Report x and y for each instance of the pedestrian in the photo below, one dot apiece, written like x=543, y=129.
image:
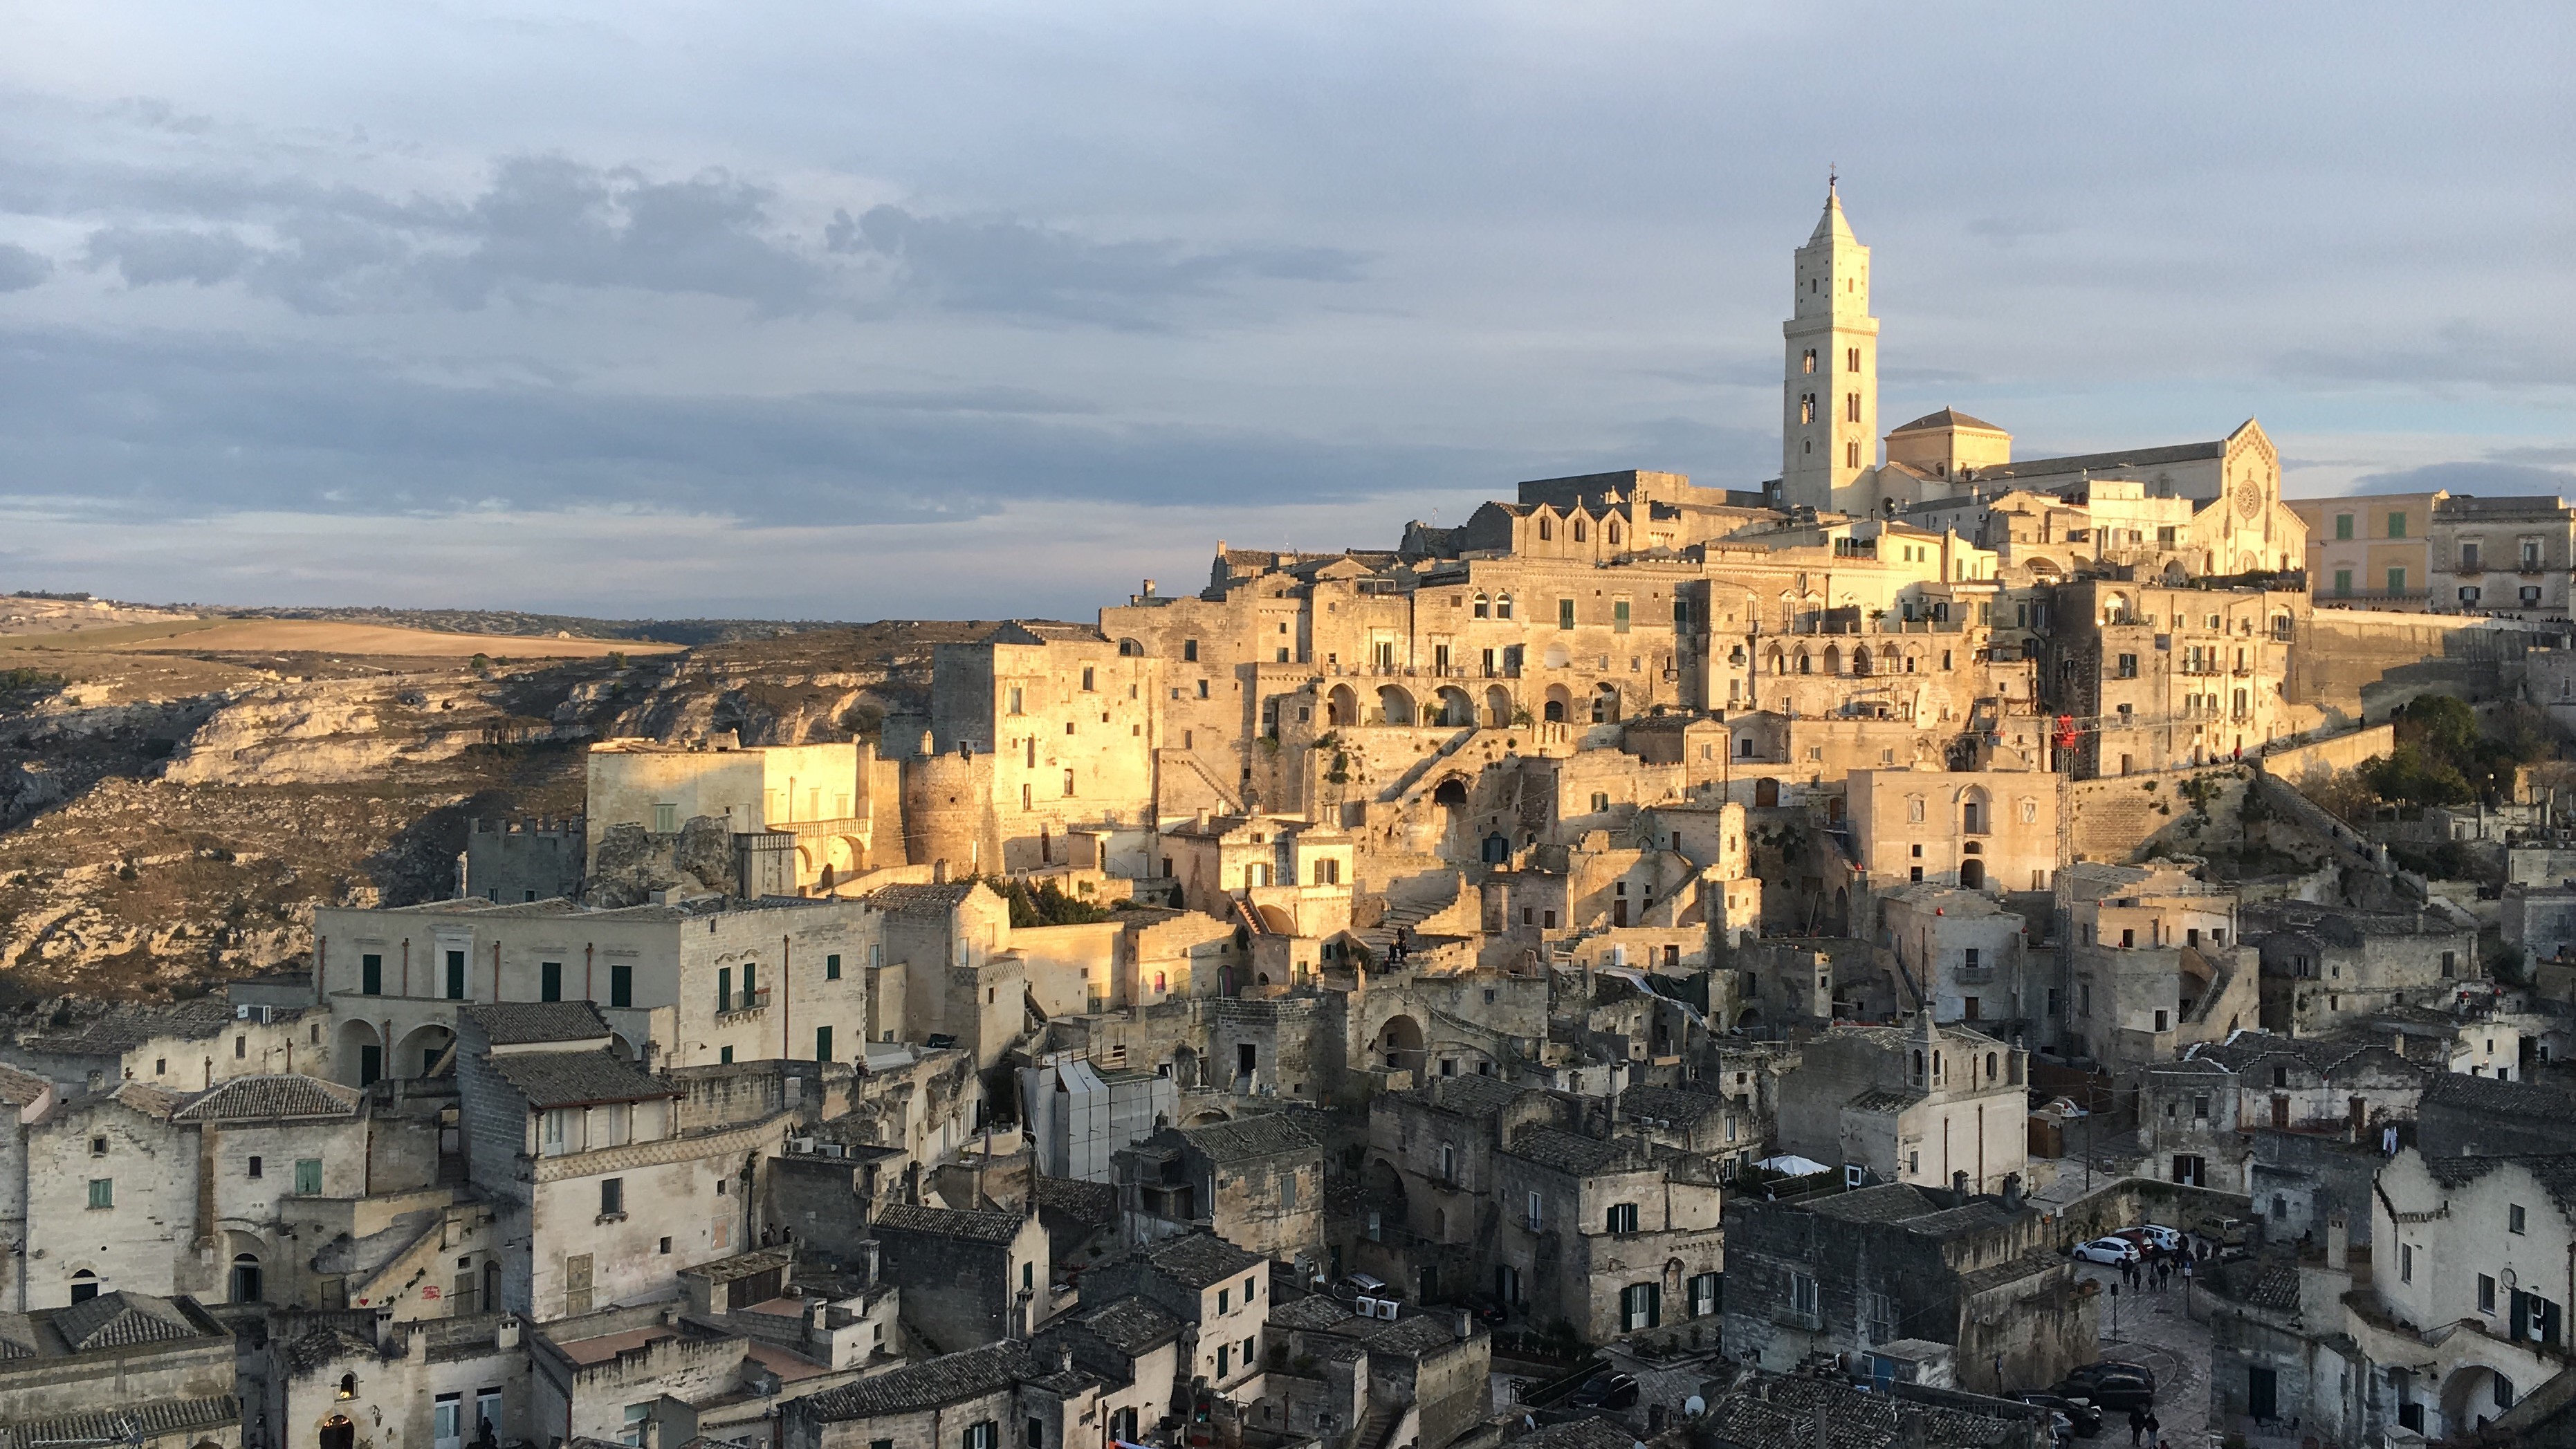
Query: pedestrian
x=2155, y=1433
x=2388, y=1140
x=2137, y=1423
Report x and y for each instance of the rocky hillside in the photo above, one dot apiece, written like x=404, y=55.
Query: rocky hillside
x=169, y=818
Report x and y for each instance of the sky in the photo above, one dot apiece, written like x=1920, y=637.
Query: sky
x=961, y=309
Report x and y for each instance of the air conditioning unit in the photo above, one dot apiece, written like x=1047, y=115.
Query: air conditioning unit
x=260, y=1014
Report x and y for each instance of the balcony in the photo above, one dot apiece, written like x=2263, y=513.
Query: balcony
x=1803, y=1322
x=741, y=1004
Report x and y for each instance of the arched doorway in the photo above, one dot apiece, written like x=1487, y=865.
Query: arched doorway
x=1394, y=706
x=1400, y=1045
x=1605, y=704
x=338, y=1433
x=1498, y=849
x=1498, y=707
x=84, y=1286
x=1456, y=709
x=1972, y=873
x=421, y=1050
x=1342, y=706
x=1560, y=704
x=1451, y=792
x=358, y=1054
x=1766, y=792
x=245, y=1283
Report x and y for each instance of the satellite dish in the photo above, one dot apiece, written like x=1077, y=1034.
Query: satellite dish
x=1694, y=1406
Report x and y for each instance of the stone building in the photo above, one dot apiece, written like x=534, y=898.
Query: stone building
x=1257, y=1183
x=965, y=1274
x=1986, y=830
x=1611, y=1237
x=126, y=1368
x=2156, y=964
x=1069, y=725
x=2169, y=677
x=1918, y=1103
x=434, y=1382
x=2370, y=551
x=1847, y=1272
x=2464, y=1116
x=2507, y=557
x=680, y=985
x=1966, y=958
x=1221, y=1291
x=2324, y=969
x=1420, y=1378
x=1077, y=1114
x=821, y=801
x=2197, y=1114
x=523, y=860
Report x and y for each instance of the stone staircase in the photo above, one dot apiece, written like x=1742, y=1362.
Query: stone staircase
x=1376, y=1429
x=1423, y=898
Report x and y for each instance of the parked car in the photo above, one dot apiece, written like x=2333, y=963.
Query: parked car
x=1361, y=1285
x=2226, y=1232
x=2157, y=1235
x=2109, y=1386
x=1605, y=1390
x=2107, y=1250
x=2079, y=1413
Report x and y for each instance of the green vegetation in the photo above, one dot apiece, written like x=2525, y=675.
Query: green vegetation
x=2443, y=757
x=1047, y=905
x=29, y=681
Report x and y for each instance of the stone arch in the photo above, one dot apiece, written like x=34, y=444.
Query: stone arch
x=1498, y=706
x=1399, y=1045
x=2115, y=608
x=1557, y=656
x=1560, y=704
x=843, y=857
x=1484, y=606
x=420, y=1049
x=1276, y=921
x=337, y=1432
x=357, y=1053
x=1860, y=659
x=1806, y=661
x=1394, y=706
x=1206, y=1116
x=246, y=1280
x=1766, y=793
x=86, y=1285
x=1779, y=660
x=1605, y=704
x=1976, y=811
x=1183, y=1067
x=807, y=868
x=2469, y=1397
x=2044, y=567
x=1342, y=706
x=1972, y=874
x=1451, y=792
x=1456, y=709
x=1833, y=659
x=1503, y=606
x=1130, y=648
x=620, y=1047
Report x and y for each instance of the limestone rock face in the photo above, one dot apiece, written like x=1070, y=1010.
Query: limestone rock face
x=630, y=864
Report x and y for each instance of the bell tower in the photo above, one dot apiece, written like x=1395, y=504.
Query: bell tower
x=1829, y=396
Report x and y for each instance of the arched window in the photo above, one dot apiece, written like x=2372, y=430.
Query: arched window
x=1503, y=607
x=84, y=1286
x=1579, y=531
x=1806, y=665
x=1546, y=528
x=1614, y=533
x=348, y=1386
x=1484, y=607
x=1159, y=987
x=245, y=1279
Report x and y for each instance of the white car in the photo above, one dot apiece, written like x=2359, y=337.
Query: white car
x=2107, y=1250
x=2161, y=1236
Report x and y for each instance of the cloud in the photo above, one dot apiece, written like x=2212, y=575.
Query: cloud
x=21, y=269
x=2455, y=352
x=549, y=220
x=1010, y=267
x=2475, y=478
x=155, y=256
x=2540, y=455
x=162, y=426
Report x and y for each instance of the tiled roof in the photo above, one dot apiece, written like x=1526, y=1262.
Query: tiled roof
x=130, y=1423
x=948, y=1379
x=1196, y=1260
x=1580, y=1434
x=1887, y=1203
x=324, y=1347
x=18, y=1088
x=1786, y=1419
x=2503, y=1098
x=979, y=1225
x=121, y=1320
x=1415, y=1335
x=149, y=1100
x=2278, y=1287
x=1566, y=1152
x=1948, y=418
x=2105, y=462
x=119, y=1028
x=743, y=1265
x=522, y=1023
x=1667, y=1104
x=2555, y=1172
x=915, y=900
x=1131, y=1325
x=256, y=1098
x=1266, y=1135
x=1473, y=1095
x=18, y=1336
x=1883, y=1099
x=572, y=1079
x=1084, y=1202
x=1310, y=1313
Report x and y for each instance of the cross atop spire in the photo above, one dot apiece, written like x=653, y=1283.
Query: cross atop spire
x=1831, y=176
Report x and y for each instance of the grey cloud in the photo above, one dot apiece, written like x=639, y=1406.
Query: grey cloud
x=2539, y=455
x=1010, y=267
x=21, y=268
x=2456, y=352
x=551, y=220
x=167, y=427
x=152, y=256
x=2481, y=478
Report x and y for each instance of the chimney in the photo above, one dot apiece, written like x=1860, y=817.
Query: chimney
x=939, y=871
x=416, y=1349
x=2012, y=1192
x=1959, y=1189
x=1149, y=588
x=652, y=1434
x=2338, y=1242
x=506, y=1335
x=1466, y=1325
x=1823, y=1438
x=1064, y=1358
x=2397, y=1042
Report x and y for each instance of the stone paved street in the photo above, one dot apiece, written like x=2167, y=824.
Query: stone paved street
x=2157, y=1330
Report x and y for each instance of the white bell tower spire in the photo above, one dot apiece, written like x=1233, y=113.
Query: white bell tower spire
x=1829, y=397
